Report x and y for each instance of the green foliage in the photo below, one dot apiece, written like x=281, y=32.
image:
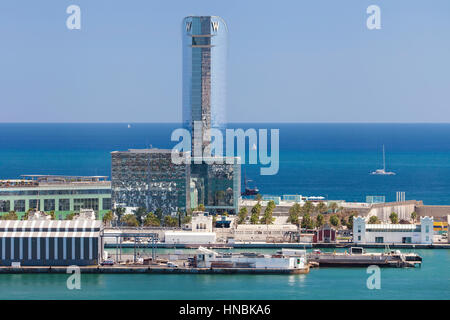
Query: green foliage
x=108, y=217
x=321, y=207
x=12, y=215
x=242, y=215
x=350, y=221
x=334, y=220
x=140, y=213
x=307, y=221
x=308, y=207
x=151, y=220
x=201, y=207
x=186, y=219
x=320, y=220
x=258, y=197
x=374, y=220
x=333, y=206
x=170, y=221
x=267, y=217
x=119, y=213
x=130, y=220
x=393, y=217
x=70, y=216
x=52, y=214
x=255, y=212
x=294, y=213
x=413, y=216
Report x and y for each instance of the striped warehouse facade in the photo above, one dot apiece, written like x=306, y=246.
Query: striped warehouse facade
x=51, y=242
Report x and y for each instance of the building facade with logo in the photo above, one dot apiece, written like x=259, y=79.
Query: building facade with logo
x=204, y=73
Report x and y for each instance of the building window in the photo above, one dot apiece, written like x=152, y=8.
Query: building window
x=64, y=204
x=4, y=205
x=359, y=238
x=379, y=239
x=90, y=203
x=106, y=203
x=34, y=204
x=359, y=228
x=427, y=239
x=19, y=205
x=427, y=229
x=49, y=204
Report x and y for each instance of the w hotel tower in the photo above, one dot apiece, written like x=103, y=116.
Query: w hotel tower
x=204, y=76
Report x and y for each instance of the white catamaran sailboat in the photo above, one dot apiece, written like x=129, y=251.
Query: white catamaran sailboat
x=383, y=171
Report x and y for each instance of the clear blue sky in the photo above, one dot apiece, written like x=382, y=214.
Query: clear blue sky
x=290, y=61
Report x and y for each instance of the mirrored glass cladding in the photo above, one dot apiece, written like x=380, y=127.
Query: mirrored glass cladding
x=204, y=74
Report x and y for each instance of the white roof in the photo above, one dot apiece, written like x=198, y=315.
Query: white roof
x=267, y=227
x=391, y=226
x=177, y=233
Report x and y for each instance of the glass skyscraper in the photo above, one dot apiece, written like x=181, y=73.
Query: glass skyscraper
x=204, y=74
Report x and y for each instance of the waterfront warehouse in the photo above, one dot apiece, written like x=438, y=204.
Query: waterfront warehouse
x=50, y=242
x=393, y=233
x=61, y=194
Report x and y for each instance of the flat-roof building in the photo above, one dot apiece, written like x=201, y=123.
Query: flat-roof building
x=393, y=233
x=61, y=194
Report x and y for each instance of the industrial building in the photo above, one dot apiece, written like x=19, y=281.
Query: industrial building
x=189, y=237
x=61, y=194
x=393, y=233
x=50, y=242
x=265, y=232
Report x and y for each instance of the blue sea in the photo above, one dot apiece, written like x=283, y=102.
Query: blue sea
x=330, y=160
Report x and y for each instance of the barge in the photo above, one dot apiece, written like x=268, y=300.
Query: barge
x=358, y=257
x=209, y=259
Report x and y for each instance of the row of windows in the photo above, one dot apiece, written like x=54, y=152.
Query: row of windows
x=53, y=192
x=417, y=229
x=50, y=204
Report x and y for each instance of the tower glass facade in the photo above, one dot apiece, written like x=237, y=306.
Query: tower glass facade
x=204, y=74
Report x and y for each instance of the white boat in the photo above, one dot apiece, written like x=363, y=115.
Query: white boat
x=383, y=171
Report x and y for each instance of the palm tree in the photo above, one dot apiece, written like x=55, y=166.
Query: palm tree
x=321, y=207
x=413, y=216
x=107, y=217
x=334, y=220
x=242, y=215
x=308, y=207
x=374, y=220
x=319, y=220
x=151, y=220
x=333, y=206
x=393, y=217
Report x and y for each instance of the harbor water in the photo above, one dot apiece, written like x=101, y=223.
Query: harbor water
x=431, y=281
